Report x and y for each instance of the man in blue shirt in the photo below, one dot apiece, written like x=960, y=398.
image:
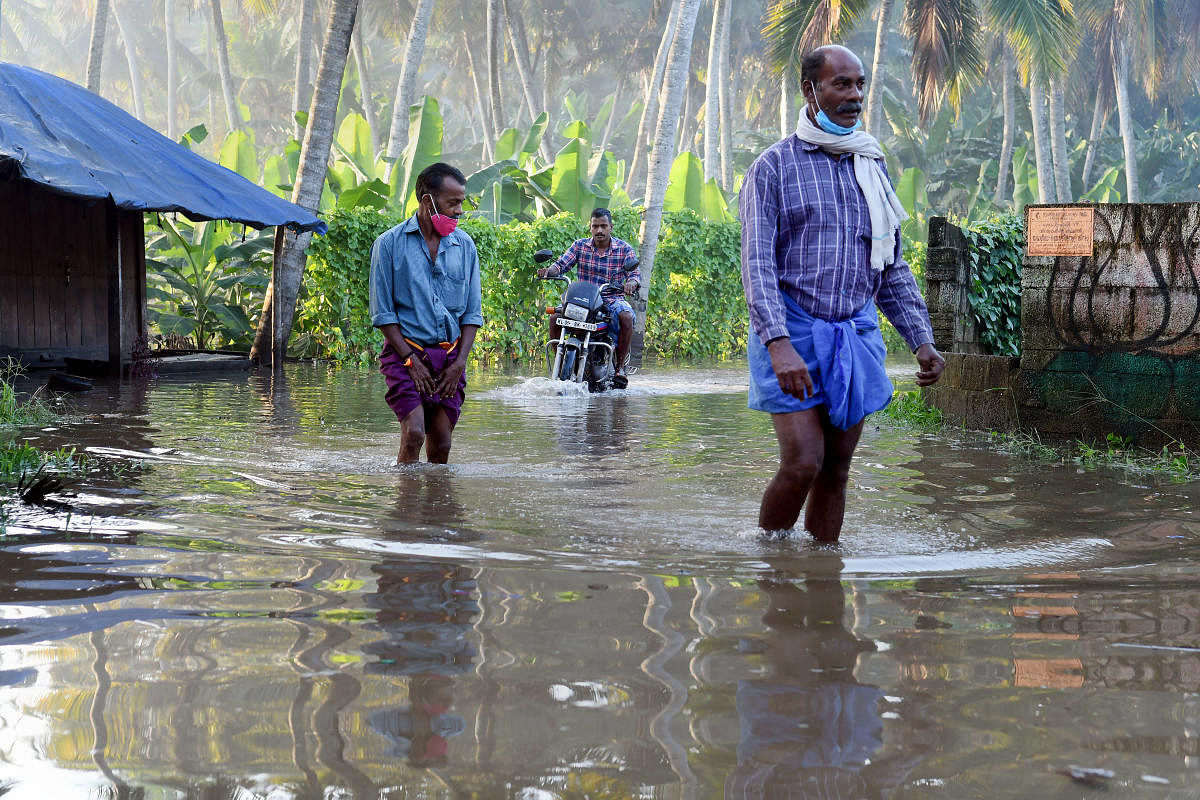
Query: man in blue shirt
x=820, y=245
x=426, y=301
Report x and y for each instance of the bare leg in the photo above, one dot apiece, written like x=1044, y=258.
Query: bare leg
x=801, y=438
x=827, y=496
x=437, y=442
x=412, y=436
x=624, y=340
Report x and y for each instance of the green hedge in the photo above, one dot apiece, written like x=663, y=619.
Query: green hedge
x=696, y=305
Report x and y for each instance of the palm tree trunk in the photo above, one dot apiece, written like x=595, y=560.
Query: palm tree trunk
x=875, y=84
x=135, y=75
x=489, y=140
x=785, y=105
x=650, y=108
x=1099, y=118
x=1008, y=82
x=712, y=97
x=1041, y=147
x=232, y=115
x=406, y=86
x=521, y=57
x=172, y=68
x=684, y=118
x=1058, y=140
x=495, y=49
x=96, y=48
x=301, y=92
x=270, y=341
x=674, y=83
x=725, y=97
x=364, y=81
x=1125, y=118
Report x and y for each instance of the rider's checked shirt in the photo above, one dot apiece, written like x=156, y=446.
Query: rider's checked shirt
x=806, y=231
x=598, y=267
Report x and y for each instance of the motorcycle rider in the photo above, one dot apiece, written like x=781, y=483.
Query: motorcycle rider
x=603, y=258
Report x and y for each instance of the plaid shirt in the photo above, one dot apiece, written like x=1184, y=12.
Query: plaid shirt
x=806, y=231
x=596, y=267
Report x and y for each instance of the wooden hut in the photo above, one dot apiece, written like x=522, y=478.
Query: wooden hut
x=76, y=175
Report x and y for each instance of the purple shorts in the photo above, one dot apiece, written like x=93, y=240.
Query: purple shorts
x=402, y=395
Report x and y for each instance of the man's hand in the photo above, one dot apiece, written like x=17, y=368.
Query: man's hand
x=447, y=379
x=420, y=374
x=790, y=369
x=932, y=364
x=631, y=286
x=541, y=273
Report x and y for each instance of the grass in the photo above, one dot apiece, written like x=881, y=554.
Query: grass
x=15, y=410
x=909, y=410
x=1173, y=460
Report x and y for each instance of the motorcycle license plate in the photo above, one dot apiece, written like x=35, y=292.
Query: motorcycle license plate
x=583, y=326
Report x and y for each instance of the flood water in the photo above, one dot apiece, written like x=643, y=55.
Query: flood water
x=252, y=601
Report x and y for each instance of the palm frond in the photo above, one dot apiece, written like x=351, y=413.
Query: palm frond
x=794, y=27
x=1043, y=33
x=946, y=40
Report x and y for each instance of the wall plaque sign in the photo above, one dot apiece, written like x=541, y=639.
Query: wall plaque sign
x=1060, y=231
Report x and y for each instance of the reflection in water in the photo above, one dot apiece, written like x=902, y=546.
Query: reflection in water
x=426, y=610
x=810, y=729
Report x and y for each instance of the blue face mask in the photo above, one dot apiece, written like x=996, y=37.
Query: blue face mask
x=828, y=125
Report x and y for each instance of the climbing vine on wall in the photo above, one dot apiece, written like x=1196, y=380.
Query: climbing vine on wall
x=997, y=244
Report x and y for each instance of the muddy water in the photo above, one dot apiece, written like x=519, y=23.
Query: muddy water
x=253, y=602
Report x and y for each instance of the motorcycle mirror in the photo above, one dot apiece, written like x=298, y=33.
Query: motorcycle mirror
x=542, y=256
x=631, y=267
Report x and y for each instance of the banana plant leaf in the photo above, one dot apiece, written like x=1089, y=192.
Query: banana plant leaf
x=237, y=154
x=424, y=148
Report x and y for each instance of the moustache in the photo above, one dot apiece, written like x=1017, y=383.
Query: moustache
x=847, y=108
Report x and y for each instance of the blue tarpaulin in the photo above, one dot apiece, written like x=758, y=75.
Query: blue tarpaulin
x=60, y=135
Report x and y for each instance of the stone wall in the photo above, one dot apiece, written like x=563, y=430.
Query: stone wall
x=1109, y=343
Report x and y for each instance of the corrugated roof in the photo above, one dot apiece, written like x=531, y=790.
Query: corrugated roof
x=60, y=135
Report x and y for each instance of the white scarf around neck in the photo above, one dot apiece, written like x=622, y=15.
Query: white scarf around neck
x=882, y=203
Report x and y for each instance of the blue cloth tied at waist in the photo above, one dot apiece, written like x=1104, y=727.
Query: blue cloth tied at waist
x=844, y=359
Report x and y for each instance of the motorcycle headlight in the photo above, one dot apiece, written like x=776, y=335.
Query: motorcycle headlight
x=577, y=313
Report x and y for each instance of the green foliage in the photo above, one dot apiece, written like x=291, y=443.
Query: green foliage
x=909, y=409
x=696, y=306
x=203, y=277
x=687, y=189
x=332, y=315
x=15, y=410
x=1174, y=461
x=996, y=247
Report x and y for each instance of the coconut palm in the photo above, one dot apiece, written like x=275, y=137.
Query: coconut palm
x=270, y=341
x=1131, y=34
x=302, y=88
x=650, y=113
x=233, y=117
x=712, y=97
x=674, y=83
x=96, y=48
x=135, y=75
x=414, y=49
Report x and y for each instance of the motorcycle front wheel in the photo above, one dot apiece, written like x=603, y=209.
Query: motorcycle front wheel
x=566, y=372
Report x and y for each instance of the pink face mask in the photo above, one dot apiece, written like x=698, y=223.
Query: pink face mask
x=442, y=224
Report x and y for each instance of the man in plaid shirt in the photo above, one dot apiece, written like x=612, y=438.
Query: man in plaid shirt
x=604, y=259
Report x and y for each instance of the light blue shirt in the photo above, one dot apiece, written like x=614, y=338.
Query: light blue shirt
x=429, y=299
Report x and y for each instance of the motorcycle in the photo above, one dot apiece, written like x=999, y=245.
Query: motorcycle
x=585, y=347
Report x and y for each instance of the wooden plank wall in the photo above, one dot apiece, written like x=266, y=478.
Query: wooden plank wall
x=54, y=276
